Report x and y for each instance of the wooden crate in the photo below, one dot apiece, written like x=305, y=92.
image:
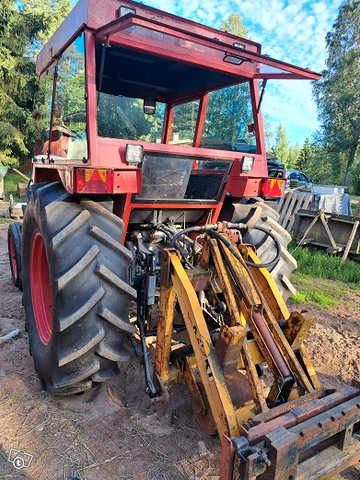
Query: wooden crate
x=290, y=203
x=21, y=190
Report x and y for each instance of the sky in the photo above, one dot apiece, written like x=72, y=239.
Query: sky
x=292, y=31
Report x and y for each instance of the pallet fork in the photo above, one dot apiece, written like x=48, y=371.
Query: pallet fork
x=251, y=379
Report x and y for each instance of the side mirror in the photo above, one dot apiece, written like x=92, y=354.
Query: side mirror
x=149, y=105
x=251, y=128
x=71, y=119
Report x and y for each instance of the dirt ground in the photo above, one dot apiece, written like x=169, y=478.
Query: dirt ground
x=100, y=436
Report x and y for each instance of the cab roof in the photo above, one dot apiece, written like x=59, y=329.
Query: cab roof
x=128, y=24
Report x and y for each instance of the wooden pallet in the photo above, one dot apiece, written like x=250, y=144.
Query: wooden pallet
x=290, y=203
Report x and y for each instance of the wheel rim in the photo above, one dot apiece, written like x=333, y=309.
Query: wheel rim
x=41, y=293
x=13, y=258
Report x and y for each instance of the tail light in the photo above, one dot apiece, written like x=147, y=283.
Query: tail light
x=94, y=180
x=273, y=187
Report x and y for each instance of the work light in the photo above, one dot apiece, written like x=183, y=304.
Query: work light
x=134, y=154
x=247, y=164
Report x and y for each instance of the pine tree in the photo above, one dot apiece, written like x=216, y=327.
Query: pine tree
x=229, y=110
x=24, y=28
x=281, y=148
x=294, y=152
x=303, y=159
x=18, y=82
x=337, y=92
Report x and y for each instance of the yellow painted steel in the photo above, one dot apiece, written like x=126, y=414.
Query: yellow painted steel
x=244, y=289
x=273, y=296
x=309, y=367
x=236, y=315
x=268, y=288
x=211, y=375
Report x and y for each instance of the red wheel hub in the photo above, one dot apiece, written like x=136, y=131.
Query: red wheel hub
x=13, y=257
x=41, y=294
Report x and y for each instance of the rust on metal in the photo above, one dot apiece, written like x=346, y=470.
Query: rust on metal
x=228, y=346
x=297, y=327
x=222, y=372
x=207, y=361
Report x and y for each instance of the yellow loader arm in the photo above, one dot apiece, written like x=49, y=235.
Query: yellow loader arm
x=245, y=364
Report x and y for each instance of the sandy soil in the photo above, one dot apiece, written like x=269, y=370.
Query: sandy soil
x=97, y=436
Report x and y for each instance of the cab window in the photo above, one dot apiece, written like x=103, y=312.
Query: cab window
x=124, y=117
x=228, y=116
x=69, y=136
x=184, y=123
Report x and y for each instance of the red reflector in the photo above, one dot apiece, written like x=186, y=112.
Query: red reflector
x=273, y=187
x=94, y=180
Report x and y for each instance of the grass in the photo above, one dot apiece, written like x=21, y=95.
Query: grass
x=323, y=297
x=317, y=263
x=355, y=204
x=11, y=181
x=324, y=294
x=337, y=278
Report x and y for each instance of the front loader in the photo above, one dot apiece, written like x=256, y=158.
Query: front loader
x=149, y=173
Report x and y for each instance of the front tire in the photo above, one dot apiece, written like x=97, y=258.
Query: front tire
x=76, y=289
x=14, y=249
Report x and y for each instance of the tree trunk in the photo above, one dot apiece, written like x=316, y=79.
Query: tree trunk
x=349, y=164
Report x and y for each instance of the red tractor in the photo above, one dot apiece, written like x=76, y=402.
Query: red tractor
x=153, y=144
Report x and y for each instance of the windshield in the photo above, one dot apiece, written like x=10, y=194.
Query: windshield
x=228, y=116
x=184, y=123
x=124, y=117
x=198, y=112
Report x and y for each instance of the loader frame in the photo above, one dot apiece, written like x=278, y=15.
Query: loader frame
x=278, y=436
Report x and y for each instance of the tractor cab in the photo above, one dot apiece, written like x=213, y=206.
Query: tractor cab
x=157, y=109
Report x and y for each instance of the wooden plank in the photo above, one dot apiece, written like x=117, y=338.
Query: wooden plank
x=290, y=211
x=286, y=208
x=350, y=241
x=283, y=202
x=308, y=201
x=21, y=190
x=303, y=203
x=25, y=177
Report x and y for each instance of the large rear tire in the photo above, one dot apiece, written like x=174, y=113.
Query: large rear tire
x=76, y=289
x=258, y=213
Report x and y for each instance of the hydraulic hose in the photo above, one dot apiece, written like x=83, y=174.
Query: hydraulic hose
x=210, y=229
x=198, y=228
x=278, y=250
x=269, y=264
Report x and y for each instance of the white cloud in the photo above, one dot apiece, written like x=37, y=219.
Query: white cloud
x=290, y=30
